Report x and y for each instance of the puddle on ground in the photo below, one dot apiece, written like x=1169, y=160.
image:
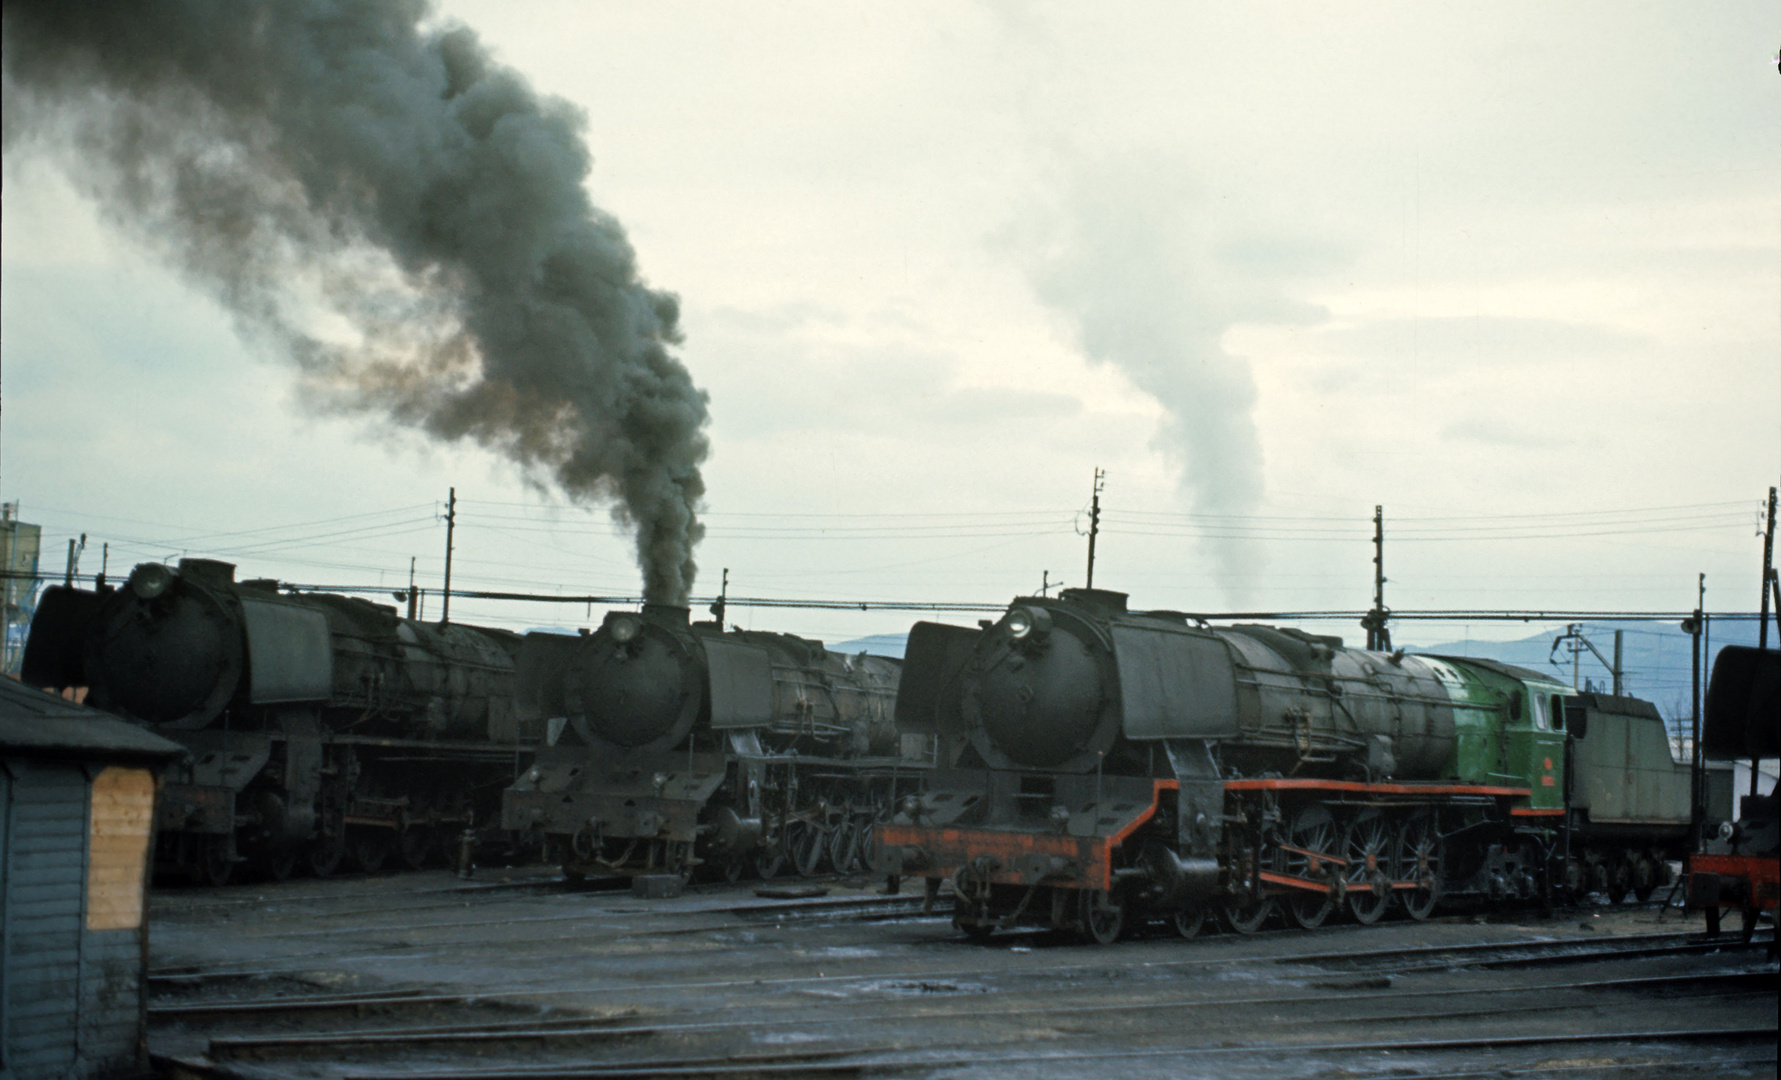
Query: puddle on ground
x=897, y=988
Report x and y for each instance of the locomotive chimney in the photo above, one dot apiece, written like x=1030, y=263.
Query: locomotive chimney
x=667, y=614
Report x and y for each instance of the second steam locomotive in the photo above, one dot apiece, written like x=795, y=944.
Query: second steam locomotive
x=1099, y=766
x=676, y=744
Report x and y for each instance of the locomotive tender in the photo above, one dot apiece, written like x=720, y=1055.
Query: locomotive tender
x=317, y=727
x=673, y=744
x=1098, y=766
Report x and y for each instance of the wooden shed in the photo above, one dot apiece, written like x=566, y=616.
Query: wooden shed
x=77, y=799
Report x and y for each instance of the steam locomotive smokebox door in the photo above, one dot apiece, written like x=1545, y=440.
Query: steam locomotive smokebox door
x=53, y=651
x=741, y=684
x=288, y=653
x=1175, y=684
x=933, y=657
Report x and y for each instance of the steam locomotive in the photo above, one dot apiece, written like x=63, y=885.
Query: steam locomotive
x=1740, y=868
x=318, y=728
x=1099, y=767
x=673, y=745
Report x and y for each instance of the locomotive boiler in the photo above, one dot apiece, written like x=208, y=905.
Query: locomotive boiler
x=674, y=745
x=317, y=727
x=1099, y=765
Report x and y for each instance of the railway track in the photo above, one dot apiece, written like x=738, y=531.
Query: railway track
x=1368, y=962
x=730, y=985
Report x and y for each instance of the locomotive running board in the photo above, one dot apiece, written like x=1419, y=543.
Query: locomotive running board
x=1362, y=787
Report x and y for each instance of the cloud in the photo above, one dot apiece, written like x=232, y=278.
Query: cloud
x=1476, y=340
x=1503, y=432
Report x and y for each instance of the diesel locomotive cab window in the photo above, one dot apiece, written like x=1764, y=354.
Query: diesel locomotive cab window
x=1558, y=713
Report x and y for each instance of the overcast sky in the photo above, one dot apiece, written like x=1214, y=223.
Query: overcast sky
x=1512, y=271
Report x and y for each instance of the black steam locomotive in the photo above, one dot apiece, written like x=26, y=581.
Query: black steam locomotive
x=1740, y=868
x=1100, y=766
x=673, y=745
x=319, y=728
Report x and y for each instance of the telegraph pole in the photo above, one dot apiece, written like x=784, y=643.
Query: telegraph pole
x=451, y=520
x=1618, y=681
x=1378, y=637
x=1576, y=664
x=1094, y=524
x=1762, y=635
x=719, y=605
x=1692, y=626
x=1768, y=579
x=413, y=600
x=74, y=554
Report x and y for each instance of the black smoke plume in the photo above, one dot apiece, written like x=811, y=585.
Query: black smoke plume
x=373, y=196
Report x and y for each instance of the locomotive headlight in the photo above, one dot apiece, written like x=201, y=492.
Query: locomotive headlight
x=624, y=629
x=150, y=579
x=1026, y=622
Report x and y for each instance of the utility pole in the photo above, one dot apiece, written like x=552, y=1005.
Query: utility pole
x=413, y=600
x=1378, y=636
x=104, y=565
x=1094, y=524
x=1619, y=682
x=451, y=521
x=722, y=602
x=1762, y=636
x=1692, y=626
x=1577, y=643
x=1768, y=582
x=74, y=560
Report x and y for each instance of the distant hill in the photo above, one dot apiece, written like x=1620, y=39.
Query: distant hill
x=876, y=644
x=1655, y=658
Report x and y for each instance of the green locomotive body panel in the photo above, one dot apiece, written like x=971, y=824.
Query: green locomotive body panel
x=1478, y=712
x=1537, y=744
x=1508, y=730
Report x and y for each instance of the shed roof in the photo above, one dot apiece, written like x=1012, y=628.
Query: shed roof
x=39, y=724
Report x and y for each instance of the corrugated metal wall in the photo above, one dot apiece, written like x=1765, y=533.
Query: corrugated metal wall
x=70, y=998
x=46, y=857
